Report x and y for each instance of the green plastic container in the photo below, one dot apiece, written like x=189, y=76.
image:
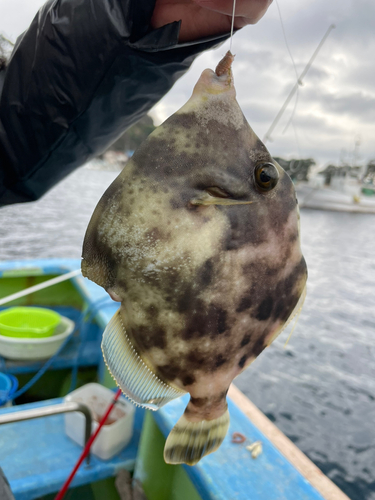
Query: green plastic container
x=28, y=322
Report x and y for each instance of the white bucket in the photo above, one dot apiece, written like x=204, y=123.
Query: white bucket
x=118, y=430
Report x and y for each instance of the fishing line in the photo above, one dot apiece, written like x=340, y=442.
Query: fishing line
x=231, y=29
x=286, y=41
x=294, y=66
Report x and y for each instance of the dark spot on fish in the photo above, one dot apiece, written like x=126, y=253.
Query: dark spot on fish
x=244, y=304
x=168, y=170
x=279, y=309
x=265, y=309
x=286, y=294
x=186, y=300
x=245, y=340
x=220, y=360
x=247, y=226
x=269, y=270
x=197, y=322
x=184, y=120
x=293, y=236
x=188, y=380
x=203, y=319
x=222, y=321
x=168, y=372
x=205, y=273
x=242, y=362
x=189, y=453
x=285, y=306
x=148, y=337
x=258, y=347
x=198, y=402
x=194, y=359
x=152, y=311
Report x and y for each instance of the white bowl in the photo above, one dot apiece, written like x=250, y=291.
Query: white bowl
x=118, y=430
x=23, y=348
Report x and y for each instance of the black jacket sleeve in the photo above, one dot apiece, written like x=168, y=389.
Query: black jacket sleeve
x=77, y=79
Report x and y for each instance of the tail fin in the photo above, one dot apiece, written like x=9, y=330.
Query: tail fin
x=188, y=442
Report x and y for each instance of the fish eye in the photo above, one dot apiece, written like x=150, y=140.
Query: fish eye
x=266, y=176
x=217, y=192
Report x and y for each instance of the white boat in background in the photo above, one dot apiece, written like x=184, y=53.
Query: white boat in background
x=342, y=195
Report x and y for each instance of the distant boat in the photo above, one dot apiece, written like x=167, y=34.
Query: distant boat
x=342, y=195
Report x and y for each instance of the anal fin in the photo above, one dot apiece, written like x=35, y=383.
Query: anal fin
x=131, y=374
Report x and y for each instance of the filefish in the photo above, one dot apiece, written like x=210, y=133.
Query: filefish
x=198, y=238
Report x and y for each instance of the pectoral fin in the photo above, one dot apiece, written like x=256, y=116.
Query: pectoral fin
x=211, y=200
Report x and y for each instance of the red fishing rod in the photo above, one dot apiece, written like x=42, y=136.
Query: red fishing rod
x=86, y=449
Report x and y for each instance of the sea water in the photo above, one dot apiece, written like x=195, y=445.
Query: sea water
x=320, y=388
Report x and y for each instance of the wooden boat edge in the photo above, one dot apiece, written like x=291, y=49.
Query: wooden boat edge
x=290, y=451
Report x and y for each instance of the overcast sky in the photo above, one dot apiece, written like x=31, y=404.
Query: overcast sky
x=336, y=104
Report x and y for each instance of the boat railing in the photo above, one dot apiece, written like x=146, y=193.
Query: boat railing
x=46, y=411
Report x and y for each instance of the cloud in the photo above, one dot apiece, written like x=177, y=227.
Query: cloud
x=335, y=104
x=16, y=16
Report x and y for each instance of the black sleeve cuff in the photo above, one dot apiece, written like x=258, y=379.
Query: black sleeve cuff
x=77, y=79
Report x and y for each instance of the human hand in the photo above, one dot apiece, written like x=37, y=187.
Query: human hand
x=202, y=18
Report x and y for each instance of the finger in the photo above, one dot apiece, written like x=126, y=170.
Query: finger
x=252, y=10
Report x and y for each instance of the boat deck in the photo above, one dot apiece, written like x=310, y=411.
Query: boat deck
x=37, y=456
